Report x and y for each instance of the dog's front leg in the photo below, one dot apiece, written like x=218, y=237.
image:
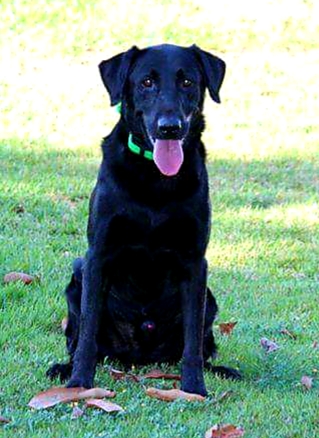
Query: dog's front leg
x=193, y=306
x=85, y=357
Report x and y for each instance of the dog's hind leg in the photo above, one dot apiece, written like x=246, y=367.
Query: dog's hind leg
x=209, y=347
x=73, y=293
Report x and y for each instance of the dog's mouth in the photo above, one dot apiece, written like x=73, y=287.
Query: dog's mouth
x=168, y=156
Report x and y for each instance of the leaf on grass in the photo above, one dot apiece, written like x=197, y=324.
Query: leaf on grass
x=306, y=381
x=77, y=412
x=53, y=396
x=19, y=209
x=224, y=431
x=4, y=420
x=18, y=276
x=64, y=324
x=223, y=396
x=288, y=333
x=153, y=374
x=117, y=374
x=121, y=375
x=268, y=345
x=226, y=328
x=96, y=393
x=56, y=395
x=158, y=374
x=172, y=394
x=104, y=405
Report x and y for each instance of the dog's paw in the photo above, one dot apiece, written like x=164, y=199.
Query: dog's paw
x=80, y=382
x=194, y=388
x=224, y=372
x=193, y=376
x=61, y=371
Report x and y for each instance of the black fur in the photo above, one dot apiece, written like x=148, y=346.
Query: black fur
x=140, y=294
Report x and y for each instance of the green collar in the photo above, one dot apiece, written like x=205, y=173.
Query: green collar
x=137, y=150
x=133, y=146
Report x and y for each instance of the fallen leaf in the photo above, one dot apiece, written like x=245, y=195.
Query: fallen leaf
x=172, y=394
x=4, y=420
x=96, y=393
x=223, y=396
x=56, y=395
x=121, y=375
x=77, y=412
x=224, y=431
x=53, y=396
x=226, y=328
x=268, y=345
x=288, y=333
x=158, y=374
x=18, y=276
x=153, y=374
x=19, y=209
x=306, y=381
x=64, y=324
x=117, y=375
x=104, y=405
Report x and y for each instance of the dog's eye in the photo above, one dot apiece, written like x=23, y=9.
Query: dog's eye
x=186, y=83
x=147, y=82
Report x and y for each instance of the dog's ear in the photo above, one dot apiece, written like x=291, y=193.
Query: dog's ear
x=214, y=71
x=114, y=73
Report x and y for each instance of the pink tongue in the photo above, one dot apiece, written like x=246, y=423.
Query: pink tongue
x=168, y=156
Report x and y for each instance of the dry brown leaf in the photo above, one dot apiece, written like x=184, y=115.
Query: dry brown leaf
x=306, y=381
x=104, y=405
x=18, y=276
x=158, y=374
x=19, y=209
x=268, y=345
x=117, y=374
x=96, y=393
x=121, y=375
x=4, y=420
x=56, y=395
x=53, y=396
x=77, y=412
x=288, y=333
x=224, y=431
x=172, y=394
x=64, y=324
x=153, y=374
x=226, y=328
x=223, y=396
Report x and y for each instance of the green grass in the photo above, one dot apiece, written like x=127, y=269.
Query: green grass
x=263, y=162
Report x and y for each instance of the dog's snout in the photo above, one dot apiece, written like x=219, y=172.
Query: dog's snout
x=169, y=127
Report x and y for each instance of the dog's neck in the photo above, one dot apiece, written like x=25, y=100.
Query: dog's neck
x=133, y=145
x=140, y=176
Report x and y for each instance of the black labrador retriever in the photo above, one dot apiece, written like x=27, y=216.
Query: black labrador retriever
x=140, y=294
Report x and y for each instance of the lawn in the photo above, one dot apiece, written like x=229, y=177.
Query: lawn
x=263, y=162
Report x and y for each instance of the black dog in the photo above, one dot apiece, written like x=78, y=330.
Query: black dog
x=140, y=294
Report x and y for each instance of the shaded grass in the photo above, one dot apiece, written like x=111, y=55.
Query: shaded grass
x=263, y=270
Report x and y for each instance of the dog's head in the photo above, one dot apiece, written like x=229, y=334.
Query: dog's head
x=161, y=89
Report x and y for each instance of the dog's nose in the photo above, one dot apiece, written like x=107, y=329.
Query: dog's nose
x=169, y=127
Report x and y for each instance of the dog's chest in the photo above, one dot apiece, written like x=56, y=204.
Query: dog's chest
x=158, y=234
